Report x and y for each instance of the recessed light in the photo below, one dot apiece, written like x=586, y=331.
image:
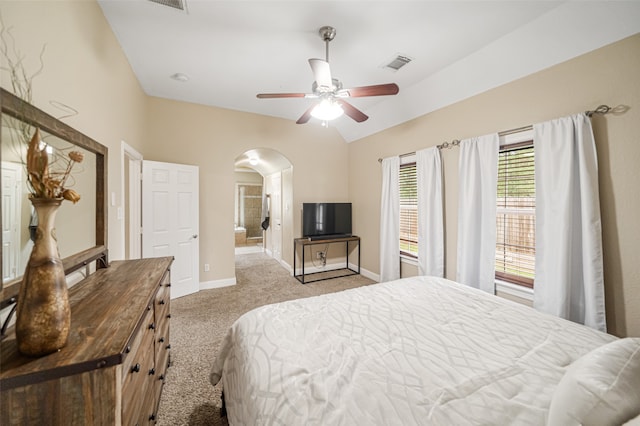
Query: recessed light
x=180, y=77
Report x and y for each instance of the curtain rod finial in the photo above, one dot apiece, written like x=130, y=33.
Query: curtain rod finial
x=601, y=109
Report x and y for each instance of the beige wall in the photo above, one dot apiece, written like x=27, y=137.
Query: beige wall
x=212, y=138
x=84, y=68
x=606, y=76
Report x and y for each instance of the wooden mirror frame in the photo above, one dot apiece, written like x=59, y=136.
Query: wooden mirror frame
x=17, y=108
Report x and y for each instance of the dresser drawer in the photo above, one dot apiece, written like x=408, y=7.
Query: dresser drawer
x=163, y=348
x=151, y=404
x=163, y=344
x=163, y=305
x=144, y=333
x=138, y=382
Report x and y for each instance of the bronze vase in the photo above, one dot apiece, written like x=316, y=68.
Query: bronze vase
x=43, y=313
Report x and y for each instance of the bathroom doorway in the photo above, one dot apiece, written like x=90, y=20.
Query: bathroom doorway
x=248, y=214
x=264, y=187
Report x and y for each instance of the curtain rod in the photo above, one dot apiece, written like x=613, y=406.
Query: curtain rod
x=601, y=109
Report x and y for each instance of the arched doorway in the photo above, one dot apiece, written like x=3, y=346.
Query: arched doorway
x=274, y=204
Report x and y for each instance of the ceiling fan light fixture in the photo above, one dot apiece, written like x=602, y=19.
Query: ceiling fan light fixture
x=327, y=110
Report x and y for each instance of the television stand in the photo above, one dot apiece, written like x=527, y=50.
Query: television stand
x=328, y=237
x=302, y=243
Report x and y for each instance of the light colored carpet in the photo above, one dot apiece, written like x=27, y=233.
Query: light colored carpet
x=199, y=323
x=249, y=249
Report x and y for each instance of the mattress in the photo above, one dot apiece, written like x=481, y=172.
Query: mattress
x=419, y=350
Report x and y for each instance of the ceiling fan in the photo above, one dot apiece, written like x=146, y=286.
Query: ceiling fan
x=329, y=92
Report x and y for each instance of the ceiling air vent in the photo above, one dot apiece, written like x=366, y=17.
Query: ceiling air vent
x=176, y=4
x=398, y=62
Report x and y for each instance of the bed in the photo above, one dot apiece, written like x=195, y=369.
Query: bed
x=422, y=350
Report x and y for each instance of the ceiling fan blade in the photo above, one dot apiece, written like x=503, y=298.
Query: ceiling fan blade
x=375, y=90
x=352, y=111
x=280, y=95
x=306, y=116
x=321, y=73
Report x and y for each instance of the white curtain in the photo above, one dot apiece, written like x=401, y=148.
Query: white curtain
x=390, y=220
x=430, y=220
x=478, y=177
x=569, y=279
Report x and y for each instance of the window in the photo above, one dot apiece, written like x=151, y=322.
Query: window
x=408, y=210
x=515, y=219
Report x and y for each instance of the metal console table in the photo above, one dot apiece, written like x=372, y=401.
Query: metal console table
x=346, y=271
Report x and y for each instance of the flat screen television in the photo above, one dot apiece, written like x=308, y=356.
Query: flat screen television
x=326, y=220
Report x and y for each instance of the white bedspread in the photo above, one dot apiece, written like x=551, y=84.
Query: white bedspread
x=420, y=350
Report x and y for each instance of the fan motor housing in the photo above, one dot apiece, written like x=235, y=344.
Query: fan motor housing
x=335, y=86
x=327, y=33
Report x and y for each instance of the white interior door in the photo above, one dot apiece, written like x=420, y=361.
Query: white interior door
x=11, y=185
x=170, y=221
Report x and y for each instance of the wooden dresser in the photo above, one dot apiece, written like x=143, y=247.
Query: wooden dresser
x=113, y=367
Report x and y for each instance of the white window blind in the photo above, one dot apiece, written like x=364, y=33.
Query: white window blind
x=515, y=219
x=408, y=210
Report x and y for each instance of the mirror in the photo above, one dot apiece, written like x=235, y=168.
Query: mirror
x=80, y=228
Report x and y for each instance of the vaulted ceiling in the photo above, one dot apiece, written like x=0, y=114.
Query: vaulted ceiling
x=231, y=50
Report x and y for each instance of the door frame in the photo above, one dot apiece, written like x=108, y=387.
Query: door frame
x=131, y=202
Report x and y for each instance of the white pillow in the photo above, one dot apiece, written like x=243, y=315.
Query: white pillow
x=600, y=388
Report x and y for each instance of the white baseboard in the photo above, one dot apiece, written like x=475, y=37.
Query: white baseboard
x=286, y=266
x=207, y=285
x=370, y=275
x=365, y=273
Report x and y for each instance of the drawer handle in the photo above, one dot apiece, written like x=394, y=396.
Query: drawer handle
x=127, y=349
x=161, y=302
x=152, y=371
x=152, y=417
x=149, y=308
x=135, y=368
x=169, y=285
x=168, y=346
x=161, y=340
x=152, y=326
x=168, y=315
x=161, y=377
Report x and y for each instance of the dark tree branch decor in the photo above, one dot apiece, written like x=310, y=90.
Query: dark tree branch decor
x=43, y=313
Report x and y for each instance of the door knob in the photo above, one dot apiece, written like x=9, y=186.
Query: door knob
x=194, y=236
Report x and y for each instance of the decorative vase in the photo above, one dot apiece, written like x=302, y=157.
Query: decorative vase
x=43, y=313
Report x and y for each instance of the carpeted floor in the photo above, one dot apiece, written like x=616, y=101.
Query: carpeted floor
x=199, y=323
